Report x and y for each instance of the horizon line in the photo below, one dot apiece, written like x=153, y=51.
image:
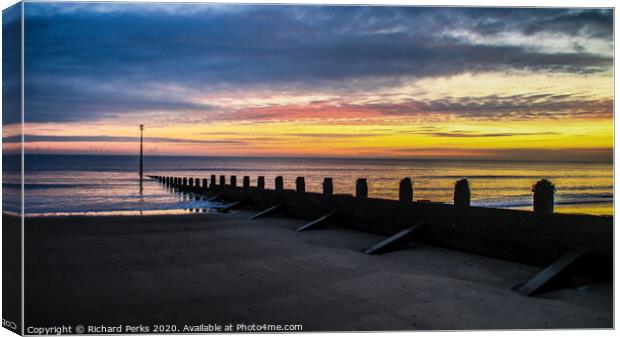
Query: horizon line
x=611, y=161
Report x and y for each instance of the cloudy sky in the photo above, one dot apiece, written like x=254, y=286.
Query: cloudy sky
x=319, y=80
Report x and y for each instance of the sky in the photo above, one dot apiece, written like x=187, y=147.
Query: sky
x=341, y=81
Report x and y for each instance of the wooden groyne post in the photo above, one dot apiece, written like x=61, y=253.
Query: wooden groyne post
x=544, y=195
x=462, y=195
x=405, y=190
x=361, y=188
x=279, y=184
x=233, y=181
x=300, y=185
x=260, y=183
x=246, y=182
x=328, y=186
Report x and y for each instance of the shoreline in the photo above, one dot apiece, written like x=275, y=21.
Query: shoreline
x=428, y=159
x=559, y=209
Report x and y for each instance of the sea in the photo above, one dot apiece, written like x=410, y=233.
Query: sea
x=110, y=184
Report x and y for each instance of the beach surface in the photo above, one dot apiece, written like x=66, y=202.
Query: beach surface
x=224, y=269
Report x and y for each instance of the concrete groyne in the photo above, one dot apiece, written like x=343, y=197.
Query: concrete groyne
x=534, y=238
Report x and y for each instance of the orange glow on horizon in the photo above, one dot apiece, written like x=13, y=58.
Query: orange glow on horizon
x=388, y=122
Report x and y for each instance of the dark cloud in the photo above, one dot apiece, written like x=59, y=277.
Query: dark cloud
x=335, y=135
x=86, y=61
x=53, y=138
x=526, y=154
x=501, y=107
x=493, y=107
x=592, y=23
x=67, y=101
x=465, y=134
x=11, y=65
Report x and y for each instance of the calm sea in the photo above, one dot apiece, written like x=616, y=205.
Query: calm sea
x=78, y=184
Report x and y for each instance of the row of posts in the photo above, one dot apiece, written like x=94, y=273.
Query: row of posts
x=543, y=190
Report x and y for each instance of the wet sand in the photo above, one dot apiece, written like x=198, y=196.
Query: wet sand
x=225, y=269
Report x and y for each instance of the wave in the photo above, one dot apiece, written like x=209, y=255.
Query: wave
x=115, y=208
x=504, y=188
x=501, y=176
x=574, y=199
x=44, y=186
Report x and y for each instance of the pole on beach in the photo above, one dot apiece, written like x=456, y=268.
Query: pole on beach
x=141, y=151
x=260, y=183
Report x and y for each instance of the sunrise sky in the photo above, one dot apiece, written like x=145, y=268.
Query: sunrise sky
x=319, y=81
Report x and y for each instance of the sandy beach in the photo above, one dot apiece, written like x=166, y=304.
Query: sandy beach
x=222, y=268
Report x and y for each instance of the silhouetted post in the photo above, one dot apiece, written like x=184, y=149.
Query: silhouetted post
x=141, y=152
x=222, y=180
x=205, y=184
x=212, y=181
x=279, y=183
x=246, y=182
x=462, y=196
x=191, y=182
x=184, y=181
x=260, y=183
x=300, y=185
x=361, y=188
x=197, y=182
x=544, y=192
x=405, y=190
x=233, y=181
x=328, y=186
